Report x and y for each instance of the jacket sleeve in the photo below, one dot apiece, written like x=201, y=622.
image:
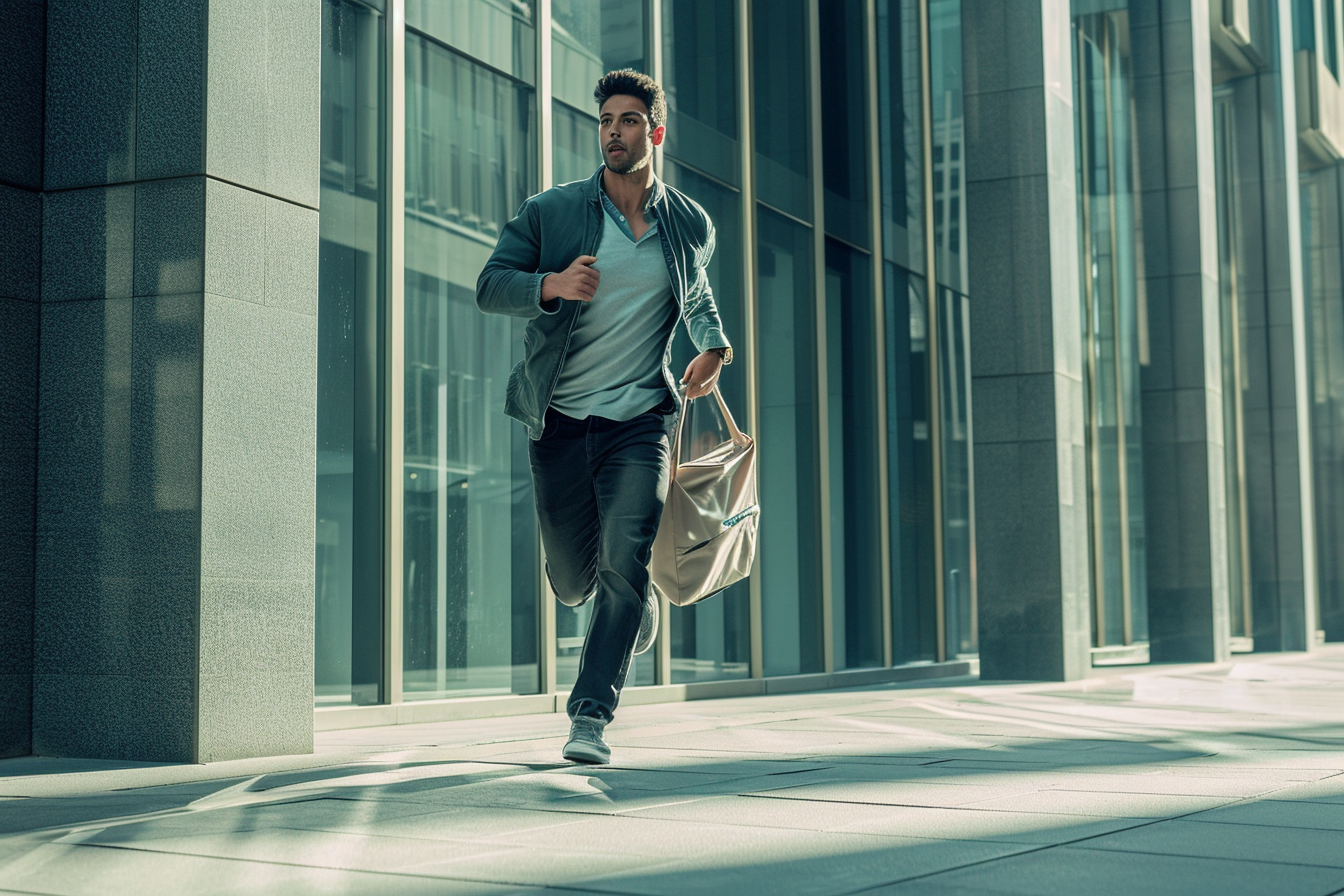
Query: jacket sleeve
x=510, y=282
x=702, y=315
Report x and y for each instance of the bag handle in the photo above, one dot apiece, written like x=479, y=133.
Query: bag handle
x=740, y=439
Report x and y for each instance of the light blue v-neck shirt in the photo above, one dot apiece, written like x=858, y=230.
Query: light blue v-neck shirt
x=614, y=367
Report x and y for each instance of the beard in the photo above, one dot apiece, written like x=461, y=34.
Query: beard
x=630, y=165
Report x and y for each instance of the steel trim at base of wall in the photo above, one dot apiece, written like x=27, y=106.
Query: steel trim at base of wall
x=337, y=718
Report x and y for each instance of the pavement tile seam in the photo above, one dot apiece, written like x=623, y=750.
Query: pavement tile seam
x=982, y=807
x=500, y=848
x=1073, y=847
x=971, y=808
x=961, y=867
x=393, y=874
x=59, y=830
x=1064, y=847
x=1252, y=824
x=1216, y=845
x=738, y=827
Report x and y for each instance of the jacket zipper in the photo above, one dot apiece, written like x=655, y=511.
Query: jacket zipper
x=574, y=322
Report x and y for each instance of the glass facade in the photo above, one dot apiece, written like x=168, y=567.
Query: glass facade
x=1232, y=331
x=589, y=39
x=712, y=639
x=470, y=564
x=703, y=152
x=948, y=334
x=348, y=569
x=1114, y=335
x=909, y=434
x=835, y=355
x=828, y=142
x=781, y=107
x=851, y=425
x=790, y=475
x=1323, y=287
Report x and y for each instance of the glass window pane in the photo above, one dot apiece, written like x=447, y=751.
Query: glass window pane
x=589, y=39
x=1323, y=285
x=1113, y=306
x=348, y=568
x=949, y=172
x=780, y=114
x=576, y=145
x=497, y=32
x=790, y=548
x=901, y=132
x=700, y=79
x=851, y=385
x=470, y=549
x=844, y=104
x=712, y=640
x=959, y=597
x=910, y=468
x=1238, y=595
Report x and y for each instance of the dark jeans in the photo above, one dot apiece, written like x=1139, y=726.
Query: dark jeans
x=600, y=486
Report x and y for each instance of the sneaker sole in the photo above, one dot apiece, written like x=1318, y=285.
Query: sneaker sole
x=653, y=633
x=580, y=753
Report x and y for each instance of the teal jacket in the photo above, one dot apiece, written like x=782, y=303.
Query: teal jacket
x=551, y=230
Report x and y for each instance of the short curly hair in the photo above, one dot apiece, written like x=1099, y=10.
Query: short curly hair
x=628, y=82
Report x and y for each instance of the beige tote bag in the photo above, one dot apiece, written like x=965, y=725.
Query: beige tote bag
x=707, y=538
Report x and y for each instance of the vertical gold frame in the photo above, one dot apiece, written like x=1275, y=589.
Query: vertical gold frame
x=394, y=345
x=748, y=150
x=822, y=431
x=880, y=323
x=1126, y=573
x=1089, y=346
x=548, y=678
x=653, y=11
x=1233, y=323
x=931, y=333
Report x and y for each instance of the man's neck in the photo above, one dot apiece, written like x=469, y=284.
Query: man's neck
x=628, y=192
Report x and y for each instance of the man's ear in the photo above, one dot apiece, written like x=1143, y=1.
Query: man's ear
x=657, y=135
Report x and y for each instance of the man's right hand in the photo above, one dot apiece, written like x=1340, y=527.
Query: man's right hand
x=576, y=283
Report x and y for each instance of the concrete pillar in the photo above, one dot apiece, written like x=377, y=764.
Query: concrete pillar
x=175, y=490
x=1182, y=403
x=1026, y=355
x=22, y=42
x=1276, y=405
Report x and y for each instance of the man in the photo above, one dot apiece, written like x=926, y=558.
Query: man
x=603, y=268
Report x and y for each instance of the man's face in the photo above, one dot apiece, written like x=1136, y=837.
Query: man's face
x=624, y=134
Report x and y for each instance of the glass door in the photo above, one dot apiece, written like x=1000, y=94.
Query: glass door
x=1113, y=350
x=1234, y=373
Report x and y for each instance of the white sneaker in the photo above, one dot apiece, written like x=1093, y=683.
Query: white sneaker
x=585, y=741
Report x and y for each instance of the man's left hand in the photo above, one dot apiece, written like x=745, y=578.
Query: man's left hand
x=702, y=374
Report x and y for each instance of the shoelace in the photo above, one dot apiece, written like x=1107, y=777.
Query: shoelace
x=587, y=728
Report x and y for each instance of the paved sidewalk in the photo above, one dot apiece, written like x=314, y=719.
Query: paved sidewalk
x=1150, y=780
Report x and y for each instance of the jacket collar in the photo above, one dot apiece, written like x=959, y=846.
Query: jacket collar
x=593, y=188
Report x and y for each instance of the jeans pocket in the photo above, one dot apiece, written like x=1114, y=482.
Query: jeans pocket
x=549, y=424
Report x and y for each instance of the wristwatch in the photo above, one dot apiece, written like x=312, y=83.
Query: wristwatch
x=725, y=353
